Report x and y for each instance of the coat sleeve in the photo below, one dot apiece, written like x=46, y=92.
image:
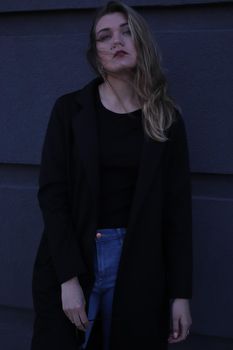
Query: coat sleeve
x=54, y=199
x=178, y=214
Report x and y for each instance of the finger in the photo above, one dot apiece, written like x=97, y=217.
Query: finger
x=83, y=318
x=175, y=327
x=175, y=332
x=170, y=335
x=78, y=323
x=172, y=340
x=183, y=332
x=184, y=329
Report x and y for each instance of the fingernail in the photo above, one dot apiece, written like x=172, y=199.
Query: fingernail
x=175, y=334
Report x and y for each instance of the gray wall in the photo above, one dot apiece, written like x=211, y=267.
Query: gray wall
x=43, y=56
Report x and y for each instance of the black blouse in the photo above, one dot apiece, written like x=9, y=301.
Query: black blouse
x=121, y=136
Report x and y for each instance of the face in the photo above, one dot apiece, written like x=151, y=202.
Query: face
x=115, y=47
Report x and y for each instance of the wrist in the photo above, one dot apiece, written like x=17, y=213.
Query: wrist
x=73, y=280
x=179, y=300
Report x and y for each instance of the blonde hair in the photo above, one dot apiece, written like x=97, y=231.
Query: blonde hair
x=149, y=81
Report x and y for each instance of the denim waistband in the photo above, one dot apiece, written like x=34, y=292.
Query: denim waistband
x=111, y=233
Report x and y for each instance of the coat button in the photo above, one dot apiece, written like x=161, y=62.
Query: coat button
x=98, y=235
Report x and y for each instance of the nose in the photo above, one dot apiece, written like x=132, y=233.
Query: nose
x=117, y=39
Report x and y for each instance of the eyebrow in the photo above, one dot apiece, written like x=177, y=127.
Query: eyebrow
x=105, y=29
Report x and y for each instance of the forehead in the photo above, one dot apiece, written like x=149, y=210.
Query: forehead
x=111, y=20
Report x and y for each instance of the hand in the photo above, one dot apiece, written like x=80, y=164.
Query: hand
x=181, y=320
x=73, y=303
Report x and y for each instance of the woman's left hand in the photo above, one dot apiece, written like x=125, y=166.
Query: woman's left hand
x=181, y=320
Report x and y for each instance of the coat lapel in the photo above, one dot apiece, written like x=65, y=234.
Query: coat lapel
x=85, y=127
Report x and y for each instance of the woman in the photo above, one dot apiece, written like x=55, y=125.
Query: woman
x=114, y=266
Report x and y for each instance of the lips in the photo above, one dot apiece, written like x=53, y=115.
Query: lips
x=120, y=53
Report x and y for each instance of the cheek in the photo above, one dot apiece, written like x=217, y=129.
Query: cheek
x=104, y=55
x=134, y=57
x=134, y=54
x=132, y=49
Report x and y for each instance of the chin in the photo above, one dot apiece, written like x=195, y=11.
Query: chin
x=120, y=68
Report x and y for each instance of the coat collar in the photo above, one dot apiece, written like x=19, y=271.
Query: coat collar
x=85, y=127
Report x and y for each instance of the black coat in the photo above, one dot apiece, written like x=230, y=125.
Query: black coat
x=156, y=260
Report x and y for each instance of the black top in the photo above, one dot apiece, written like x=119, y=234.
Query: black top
x=121, y=136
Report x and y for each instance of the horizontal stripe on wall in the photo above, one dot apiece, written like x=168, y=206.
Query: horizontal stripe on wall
x=36, y=5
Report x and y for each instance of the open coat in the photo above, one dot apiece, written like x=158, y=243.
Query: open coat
x=156, y=260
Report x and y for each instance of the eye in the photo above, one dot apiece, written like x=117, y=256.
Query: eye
x=104, y=37
x=127, y=32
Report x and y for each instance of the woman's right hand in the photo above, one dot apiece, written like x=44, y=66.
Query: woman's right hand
x=73, y=303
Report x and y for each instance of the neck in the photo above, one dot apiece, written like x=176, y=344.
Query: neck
x=120, y=89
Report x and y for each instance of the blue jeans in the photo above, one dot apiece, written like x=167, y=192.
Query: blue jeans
x=107, y=255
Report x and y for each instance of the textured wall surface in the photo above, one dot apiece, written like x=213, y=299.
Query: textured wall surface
x=43, y=56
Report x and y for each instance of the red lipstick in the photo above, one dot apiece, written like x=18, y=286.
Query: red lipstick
x=120, y=53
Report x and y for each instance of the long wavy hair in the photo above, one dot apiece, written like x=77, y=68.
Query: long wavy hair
x=149, y=82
